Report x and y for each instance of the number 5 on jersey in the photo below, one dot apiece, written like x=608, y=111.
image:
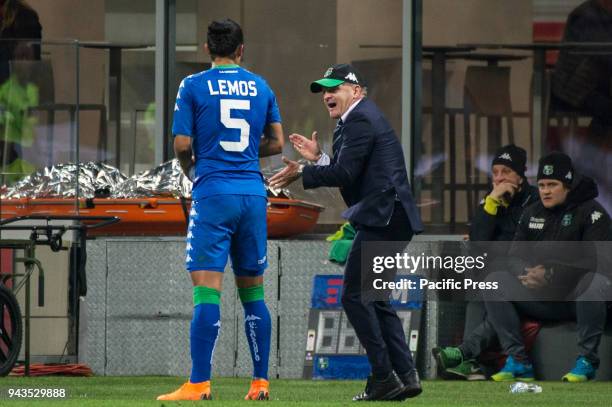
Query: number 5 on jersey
x=232, y=123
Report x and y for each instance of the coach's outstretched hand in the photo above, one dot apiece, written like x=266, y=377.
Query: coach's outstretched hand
x=308, y=148
x=287, y=175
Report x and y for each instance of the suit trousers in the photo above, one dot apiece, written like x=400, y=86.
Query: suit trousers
x=376, y=323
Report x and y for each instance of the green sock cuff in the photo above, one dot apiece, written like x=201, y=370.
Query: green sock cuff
x=251, y=294
x=205, y=295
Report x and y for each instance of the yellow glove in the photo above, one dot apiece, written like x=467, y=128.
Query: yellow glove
x=491, y=205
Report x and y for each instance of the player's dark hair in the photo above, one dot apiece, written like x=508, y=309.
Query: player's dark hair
x=223, y=38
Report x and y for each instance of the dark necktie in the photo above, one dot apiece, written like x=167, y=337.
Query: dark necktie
x=337, y=139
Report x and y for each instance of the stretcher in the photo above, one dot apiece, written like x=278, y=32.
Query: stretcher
x=159, y=216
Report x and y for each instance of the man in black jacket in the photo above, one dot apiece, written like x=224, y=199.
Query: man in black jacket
x=19, y=22
x=500, y=211
x=581, y=82
x=368, y=166
x=496, y=219
x=567, y=211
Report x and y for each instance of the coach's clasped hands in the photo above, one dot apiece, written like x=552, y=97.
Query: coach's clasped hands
x=287, y=175
x=308, y=148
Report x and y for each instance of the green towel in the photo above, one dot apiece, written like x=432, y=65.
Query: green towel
x=342, y=241
x=346, y=232
x=339, y=250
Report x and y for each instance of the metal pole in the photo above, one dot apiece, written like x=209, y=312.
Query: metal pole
x=160, y=74
x=114, y=97
x=76, y=124
x=414, y=38
x=165, y=43
x=28, y=254
x=406, y=136
x=539, y=88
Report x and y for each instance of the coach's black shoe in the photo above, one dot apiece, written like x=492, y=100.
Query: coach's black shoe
x=381, y=389
x=412, y=385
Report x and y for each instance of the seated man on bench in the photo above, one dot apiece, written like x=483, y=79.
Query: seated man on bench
x=566, y=212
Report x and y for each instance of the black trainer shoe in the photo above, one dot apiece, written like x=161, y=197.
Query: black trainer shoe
x=412, y=385
x=385, y=389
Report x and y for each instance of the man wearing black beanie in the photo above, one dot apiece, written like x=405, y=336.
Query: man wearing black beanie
x=567, y=211
x=508, y=175
x=496, y=219
x=555, y=177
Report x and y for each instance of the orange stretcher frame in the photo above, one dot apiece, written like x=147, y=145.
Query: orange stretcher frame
x=159, y=216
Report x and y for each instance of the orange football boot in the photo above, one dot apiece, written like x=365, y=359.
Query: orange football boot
x=260, y=390
x=190, y=391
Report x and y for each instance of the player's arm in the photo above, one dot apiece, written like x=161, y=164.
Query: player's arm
x=183, y=152
x=272, y=141
x=183, y=128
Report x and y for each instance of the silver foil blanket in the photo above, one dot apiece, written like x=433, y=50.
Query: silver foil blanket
x=102, y=180
x=166, y=179
x=59, y=181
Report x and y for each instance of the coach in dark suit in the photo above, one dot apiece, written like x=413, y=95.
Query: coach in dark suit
x=367, y=164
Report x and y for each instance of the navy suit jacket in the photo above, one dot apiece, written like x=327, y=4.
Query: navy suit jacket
x=369, y=168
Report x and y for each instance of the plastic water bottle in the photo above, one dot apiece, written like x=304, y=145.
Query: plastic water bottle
x=522, y=387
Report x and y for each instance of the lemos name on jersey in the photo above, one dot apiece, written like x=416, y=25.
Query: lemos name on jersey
x=230, y=88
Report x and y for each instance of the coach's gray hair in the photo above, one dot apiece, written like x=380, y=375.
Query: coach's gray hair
x=364, y=89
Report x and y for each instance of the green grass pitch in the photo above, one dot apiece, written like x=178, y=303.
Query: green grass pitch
x=141, y=391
